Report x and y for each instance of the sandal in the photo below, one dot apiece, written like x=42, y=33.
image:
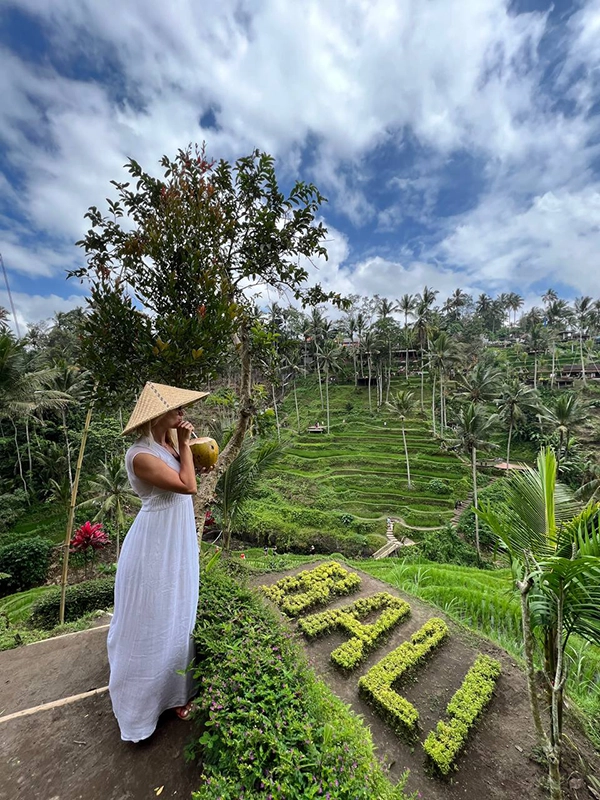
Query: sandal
x=183, y=712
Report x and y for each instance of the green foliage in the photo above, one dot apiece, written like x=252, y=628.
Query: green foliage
x=438, y=486
x=80, y=599
x=26, y=562
x=495, y=496
x=17, y=607
x=298, y=593
x=446, y=547
x=364, y=638
x=377, y=684
x=12, y=506
x=271, y=729
x=444, y=744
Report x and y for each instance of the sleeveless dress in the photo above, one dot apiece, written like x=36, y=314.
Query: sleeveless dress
x=156, y=599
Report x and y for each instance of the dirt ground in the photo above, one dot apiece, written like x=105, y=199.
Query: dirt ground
x=498, y=759
x=75, y=751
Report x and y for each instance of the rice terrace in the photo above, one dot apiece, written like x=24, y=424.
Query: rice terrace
x=300, y=421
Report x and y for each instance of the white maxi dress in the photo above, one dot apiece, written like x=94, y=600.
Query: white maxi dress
x=156, y=598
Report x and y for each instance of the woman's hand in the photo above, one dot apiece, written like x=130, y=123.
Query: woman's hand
x=184, y=431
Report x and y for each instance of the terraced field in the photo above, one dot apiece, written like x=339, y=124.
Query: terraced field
x=359, y=467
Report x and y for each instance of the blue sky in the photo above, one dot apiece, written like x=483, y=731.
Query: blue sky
x=458, y=141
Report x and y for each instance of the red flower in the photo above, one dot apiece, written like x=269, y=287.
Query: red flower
x=209, y=519
x=89, y=535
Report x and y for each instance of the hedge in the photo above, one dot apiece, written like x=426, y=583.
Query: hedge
x=298, y=593
x=364, y=638
x=80, y=599
x=376, y=685
x=26, y=562
x=445, y=743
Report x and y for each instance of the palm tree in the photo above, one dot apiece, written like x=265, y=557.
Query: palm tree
x=238, y=483
x=554, y=548
x=403, y=404
x=73, y=383
x=350, y=329
x=442, y=353
x=583, y=309
x=316, y=331
x=569, y=410
x=549, y=297
x=538, y=343
x=406, y=305
x=3, y=319
x=515, y=303
x=370, y=349
x=480, y=385
x=455, y=303
x=513, y=404
x=329, y=355
x=422, y=328
x=472, y=434
x=109, y=492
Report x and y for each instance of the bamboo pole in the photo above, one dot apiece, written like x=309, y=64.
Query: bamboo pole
x=69, y=531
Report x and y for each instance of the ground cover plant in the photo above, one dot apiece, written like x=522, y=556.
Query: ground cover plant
x=271, y=729
x=364, y=637
x=299, y=593
x=444, y=744
x=377, y=684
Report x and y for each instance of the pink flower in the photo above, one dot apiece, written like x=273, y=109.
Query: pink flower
x=89, y=535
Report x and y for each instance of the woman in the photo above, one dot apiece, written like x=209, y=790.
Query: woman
x=156, y=588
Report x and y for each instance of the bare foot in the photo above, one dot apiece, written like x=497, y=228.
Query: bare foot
x=183, y=712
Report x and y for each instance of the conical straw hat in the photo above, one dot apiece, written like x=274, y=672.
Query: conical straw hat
x=156, y=399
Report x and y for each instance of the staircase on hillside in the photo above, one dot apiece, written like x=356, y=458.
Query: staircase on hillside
x=392, y=544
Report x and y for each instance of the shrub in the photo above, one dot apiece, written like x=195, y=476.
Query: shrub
x=446, y=547
x=26, y=562
x=439, y=486
x=376, y=685
x=80, y=599
x=271, y=729
x=444, y=744
x=11, y=507
x=364, y=638
x=374, y=542
x=346, y=519
x=298, y=593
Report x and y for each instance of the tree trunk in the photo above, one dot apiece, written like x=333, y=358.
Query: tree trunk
x=69, y=531
x=581, y=355
x=406, y=345
x=433, y=406
x=296, y=404
x=320, y=385
x=442, y=420
x=276, y=411
x=355, y=370
x=422, y=382
x=369, y=368
x=64, y=422
x=524, y=588
x=510, y=428
x=406, y=456
x=535, y=370
x=28, y=449
x=474, y=467
x=19, y=462
x=327, y=393
x=246, y=411
x=553, y=366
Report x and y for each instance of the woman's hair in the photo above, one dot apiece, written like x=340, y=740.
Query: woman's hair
x=144, y=431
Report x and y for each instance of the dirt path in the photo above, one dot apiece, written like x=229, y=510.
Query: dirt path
x=496, y=761
x=59, y=739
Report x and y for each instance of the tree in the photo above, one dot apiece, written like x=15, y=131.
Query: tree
x=515, y=302
x=554, y=549
x=403, y=404
x=514, y=403
x=442, y=353
x=583, y=312
x=569, y=410
x=169, y=269
x=406, y=305
x=480, y=385
x=74, y=384
x=538, y=343
x=422, y=328
x=472, y=434
x=238, y=483
x=110, y=493
x=370, y=349
x=329, y=355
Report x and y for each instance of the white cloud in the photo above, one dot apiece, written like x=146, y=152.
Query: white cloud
x=348, y=77
x=34, y=308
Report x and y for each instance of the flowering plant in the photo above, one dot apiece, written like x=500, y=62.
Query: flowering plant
x=89, y=536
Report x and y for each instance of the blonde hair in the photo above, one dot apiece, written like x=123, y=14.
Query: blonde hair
x=144, y=431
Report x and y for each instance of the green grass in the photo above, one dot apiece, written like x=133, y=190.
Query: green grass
x=17, y=606
x=359, y=467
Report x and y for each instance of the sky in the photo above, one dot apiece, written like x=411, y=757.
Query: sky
x=457, y=141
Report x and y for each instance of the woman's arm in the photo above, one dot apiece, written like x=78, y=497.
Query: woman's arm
x=154, y=471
